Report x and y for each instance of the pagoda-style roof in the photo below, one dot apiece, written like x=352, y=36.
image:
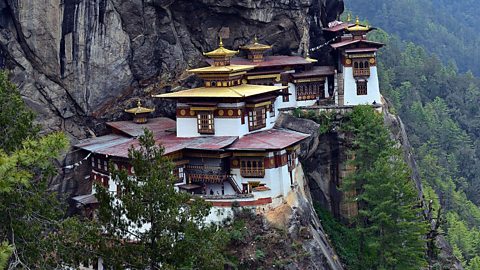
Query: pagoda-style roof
x=139, y=109
x=255, y=46
x=346, y=43
x=358, y=27
x=221, y=69
x=240, y=91
x=221, y=52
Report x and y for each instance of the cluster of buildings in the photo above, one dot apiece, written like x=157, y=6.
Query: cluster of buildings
x=224, y=142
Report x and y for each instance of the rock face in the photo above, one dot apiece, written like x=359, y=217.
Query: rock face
x=74, y=59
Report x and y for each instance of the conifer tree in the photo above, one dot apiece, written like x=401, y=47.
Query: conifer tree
x=390, y=223
x=152, y=226
x=34, y=232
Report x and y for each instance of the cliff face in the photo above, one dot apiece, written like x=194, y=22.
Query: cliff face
x=74, y=59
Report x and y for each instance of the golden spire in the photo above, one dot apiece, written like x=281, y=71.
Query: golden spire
x=255, y=40
x=349, y=17
x=221, y=42
x=357, y=22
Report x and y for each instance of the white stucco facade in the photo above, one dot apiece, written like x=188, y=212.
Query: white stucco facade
x=350, y=88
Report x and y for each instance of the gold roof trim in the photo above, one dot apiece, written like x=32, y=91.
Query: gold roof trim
x=255, y=46
x=221, y=52
x=139, y=109
x=240, y=91
x=222, y=69
x=358, y=27
x=311, y=60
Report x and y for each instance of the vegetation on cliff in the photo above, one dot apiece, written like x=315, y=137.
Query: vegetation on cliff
x=439, y=107
x=167, y=228
x=390, y=228
x=33, y=227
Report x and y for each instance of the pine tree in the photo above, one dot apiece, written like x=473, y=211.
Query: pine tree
x=34, y=232
x=390, y=222
x=16, y=121
x=150, y=225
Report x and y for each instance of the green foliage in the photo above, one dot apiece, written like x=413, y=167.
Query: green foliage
x=446, y=28
x=324, y=119
x=344, y=239
x=389, y=208
x=33, y=226
x=439, y=107
x=167, y=228
x=5, y=252
x=16, y=120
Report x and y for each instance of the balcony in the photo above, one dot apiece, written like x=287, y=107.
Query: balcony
x=361, y=72
x=252, y=172
x=205, y=174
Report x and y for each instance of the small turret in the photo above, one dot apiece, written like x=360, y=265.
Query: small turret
x=221, y=56
x=140, y=114
x=256, y=51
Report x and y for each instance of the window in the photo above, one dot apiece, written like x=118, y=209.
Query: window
x=310, y=91
x=257, y=118
x=361, y=68
x=292, y=156
x=205, y=123
x=252, y=168
x=286, y=95
x=272, y=109
x=361, y=88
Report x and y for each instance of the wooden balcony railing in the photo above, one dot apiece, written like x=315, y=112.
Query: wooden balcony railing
x=252, y=172
x=361, y=72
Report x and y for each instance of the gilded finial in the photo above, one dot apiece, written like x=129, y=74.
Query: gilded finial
x=357, y=22
x=221, y=42
x=139, y=103
x=349, y=17
x=255, y=39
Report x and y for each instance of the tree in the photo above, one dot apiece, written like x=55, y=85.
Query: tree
x=34, y=231
x=390, y=221
x=150, y=225
x=16, y=121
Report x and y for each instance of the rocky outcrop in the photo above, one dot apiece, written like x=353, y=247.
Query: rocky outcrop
x=79, y=63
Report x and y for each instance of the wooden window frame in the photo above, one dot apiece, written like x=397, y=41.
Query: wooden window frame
x=361, y=68
x=291, y=160
x=286, y=95
x=257, y=118
x=252, y=168
x=310, y=91
x=205, y=126
x=362, y=88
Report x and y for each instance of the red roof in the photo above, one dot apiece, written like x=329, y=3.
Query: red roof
x=270, y=61
x=357, y=41
x=273, y=139
x=118, y=146
x=164, y=132
x=317, y=71
x=156, y=125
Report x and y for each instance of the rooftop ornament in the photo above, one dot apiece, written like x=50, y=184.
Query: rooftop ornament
x=221, y=56
x=139, y=113
x=358, y=27
x=255, y=50
x=311, y=60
